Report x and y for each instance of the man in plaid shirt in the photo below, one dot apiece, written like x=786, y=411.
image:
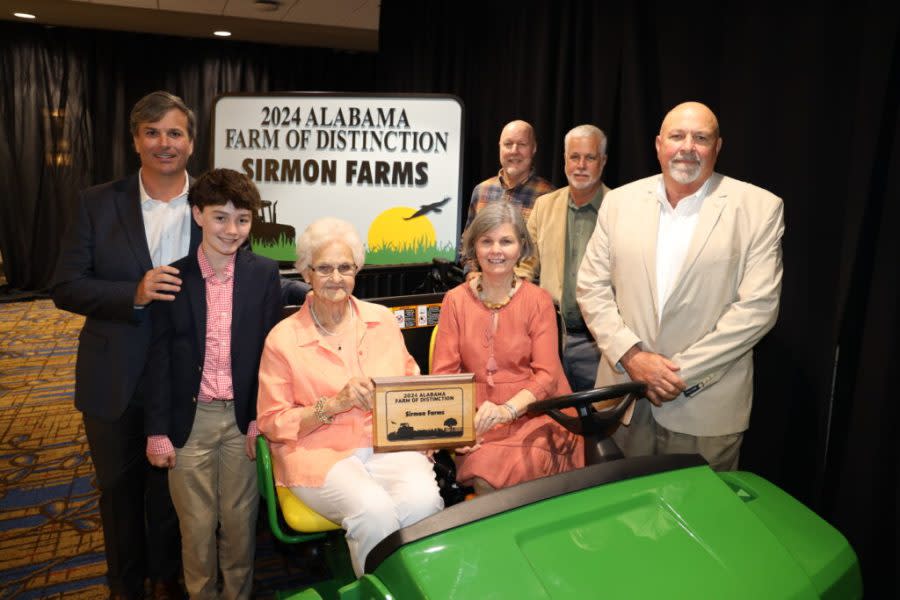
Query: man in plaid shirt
x=516, y=182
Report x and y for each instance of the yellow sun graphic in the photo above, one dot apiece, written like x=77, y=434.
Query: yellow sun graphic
x=391, y=230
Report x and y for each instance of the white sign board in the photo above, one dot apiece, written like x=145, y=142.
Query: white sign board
x=389, y=164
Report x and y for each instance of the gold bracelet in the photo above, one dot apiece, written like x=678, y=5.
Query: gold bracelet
x=319, y=411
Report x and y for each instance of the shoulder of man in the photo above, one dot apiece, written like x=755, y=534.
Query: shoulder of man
x=630, y=190
x=557, y=195
x=495, y=180
x=540, y=184
x=741, y=190
x=116, y=186
x=546, y=201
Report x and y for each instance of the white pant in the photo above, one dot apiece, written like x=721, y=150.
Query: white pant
x=372, y=495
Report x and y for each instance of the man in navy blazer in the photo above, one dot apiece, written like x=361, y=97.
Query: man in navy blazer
x=113, y=264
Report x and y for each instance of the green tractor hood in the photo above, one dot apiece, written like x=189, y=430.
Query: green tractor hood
x=646, y=527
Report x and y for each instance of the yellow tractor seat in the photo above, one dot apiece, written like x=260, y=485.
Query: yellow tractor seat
x=431, y=347
x=303, y=523
x=299, y=516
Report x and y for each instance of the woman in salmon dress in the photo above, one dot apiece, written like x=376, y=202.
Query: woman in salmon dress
x=503, y=329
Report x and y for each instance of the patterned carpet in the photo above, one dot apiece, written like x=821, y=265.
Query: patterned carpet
x=51, y=542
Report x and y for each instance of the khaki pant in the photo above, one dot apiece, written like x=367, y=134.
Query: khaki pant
x=644, y=437
x=213, y=485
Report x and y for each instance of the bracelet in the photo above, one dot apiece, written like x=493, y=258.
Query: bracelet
x=319, y=411
x=512, y=410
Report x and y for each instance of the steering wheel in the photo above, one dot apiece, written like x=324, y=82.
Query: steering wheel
x=592, y=422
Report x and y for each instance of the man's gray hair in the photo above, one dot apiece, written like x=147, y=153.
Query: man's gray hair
x=587, y=131
x=323, y=232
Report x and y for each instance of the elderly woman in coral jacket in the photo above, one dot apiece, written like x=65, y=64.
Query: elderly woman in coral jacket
x=316, y=393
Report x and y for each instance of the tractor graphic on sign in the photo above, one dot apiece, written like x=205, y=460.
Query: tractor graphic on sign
x=271, y=238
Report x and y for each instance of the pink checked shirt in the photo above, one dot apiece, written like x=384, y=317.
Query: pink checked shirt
x=215, y=382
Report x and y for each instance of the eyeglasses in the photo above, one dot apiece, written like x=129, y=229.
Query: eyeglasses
x=325, y=270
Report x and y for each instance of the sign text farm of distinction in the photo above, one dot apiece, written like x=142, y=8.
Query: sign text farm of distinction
x=346, y=129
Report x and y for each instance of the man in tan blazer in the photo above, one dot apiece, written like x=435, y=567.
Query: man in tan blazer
x=681, y=278
x=561, y=224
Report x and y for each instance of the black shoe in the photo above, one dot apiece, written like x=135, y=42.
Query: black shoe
x=451, y=490
x=168, y=589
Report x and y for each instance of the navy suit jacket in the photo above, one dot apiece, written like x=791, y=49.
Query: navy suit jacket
x=103, y=258
x=178, y=346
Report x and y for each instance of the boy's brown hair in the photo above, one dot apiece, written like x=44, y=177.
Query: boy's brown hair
x=218, y=187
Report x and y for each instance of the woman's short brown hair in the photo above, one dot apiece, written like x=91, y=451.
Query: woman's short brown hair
x=490, y=217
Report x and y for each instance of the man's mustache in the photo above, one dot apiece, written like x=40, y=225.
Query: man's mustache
x=687, y=156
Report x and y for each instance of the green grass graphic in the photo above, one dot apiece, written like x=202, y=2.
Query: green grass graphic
x=282, y=250
x=416, y=252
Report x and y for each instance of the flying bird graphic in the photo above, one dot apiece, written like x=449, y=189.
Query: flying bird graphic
x=427, y=208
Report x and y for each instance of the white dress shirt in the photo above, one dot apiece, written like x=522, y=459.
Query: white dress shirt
x=167, y=225
x=676, y=228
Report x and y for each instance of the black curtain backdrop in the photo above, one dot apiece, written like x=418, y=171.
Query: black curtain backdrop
x=808, y=105
x=64, y=108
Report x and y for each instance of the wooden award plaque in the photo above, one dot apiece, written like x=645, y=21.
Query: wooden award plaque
x=423, y=412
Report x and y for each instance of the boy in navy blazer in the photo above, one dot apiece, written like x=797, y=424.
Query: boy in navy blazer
x=201, y=417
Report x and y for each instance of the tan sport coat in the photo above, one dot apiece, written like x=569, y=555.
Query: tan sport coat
x=725, y=299
x=547, y=228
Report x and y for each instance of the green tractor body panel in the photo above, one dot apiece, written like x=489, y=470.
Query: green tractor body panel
x=819, y=549
x=683, y=533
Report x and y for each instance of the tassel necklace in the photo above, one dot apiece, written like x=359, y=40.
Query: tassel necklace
x=491, y=331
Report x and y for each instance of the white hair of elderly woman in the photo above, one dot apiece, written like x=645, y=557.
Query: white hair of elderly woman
x=321, y=233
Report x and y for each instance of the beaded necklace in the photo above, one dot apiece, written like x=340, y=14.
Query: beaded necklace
x=495, y=305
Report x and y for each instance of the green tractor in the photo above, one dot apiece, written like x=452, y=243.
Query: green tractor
x=642, y=527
